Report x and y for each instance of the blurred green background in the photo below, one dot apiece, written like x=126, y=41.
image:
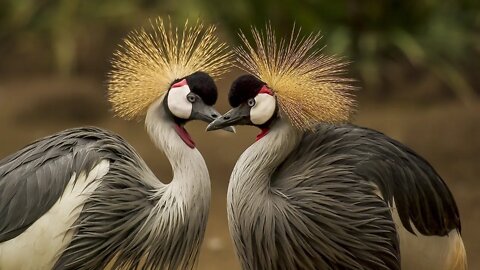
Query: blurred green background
x=417, y=64
x=387, y=41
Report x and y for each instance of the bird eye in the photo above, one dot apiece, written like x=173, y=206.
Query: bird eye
x=191, y=98
x=251, y=102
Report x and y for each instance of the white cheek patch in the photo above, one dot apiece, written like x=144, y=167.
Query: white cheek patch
x=263, y=109
x=178, y=103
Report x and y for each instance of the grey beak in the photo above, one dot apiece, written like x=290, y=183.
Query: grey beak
x=206, y=113
x=236, y=116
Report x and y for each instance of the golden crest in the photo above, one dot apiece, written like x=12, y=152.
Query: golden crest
x=308, y=84
x=148, y=62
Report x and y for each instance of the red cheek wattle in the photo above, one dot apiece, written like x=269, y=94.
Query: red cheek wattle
x=180, y=83
x=266, y=90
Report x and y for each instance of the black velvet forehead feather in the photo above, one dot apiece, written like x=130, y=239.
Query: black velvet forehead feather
x=244, y=88
x=203, y=85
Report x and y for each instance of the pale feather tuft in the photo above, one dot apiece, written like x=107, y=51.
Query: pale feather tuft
x=148, y=61
x=308, y=84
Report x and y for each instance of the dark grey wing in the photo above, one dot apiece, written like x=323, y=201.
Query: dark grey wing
x=33, y=179
x=334, y=218
x=421, y=196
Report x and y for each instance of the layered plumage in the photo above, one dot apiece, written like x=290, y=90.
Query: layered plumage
x=124, y=219
x=292, y=205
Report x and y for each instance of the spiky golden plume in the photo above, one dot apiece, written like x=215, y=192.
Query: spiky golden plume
x=308, y=84
x=149, y=61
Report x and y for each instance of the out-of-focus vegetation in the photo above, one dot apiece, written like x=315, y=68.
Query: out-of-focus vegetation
x=387, y=40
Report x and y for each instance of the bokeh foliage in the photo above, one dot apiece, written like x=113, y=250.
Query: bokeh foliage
x=436, y=38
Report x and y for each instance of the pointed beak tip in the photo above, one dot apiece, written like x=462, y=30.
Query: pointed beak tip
x=230, y=129
x=210, y=127
x=213, y=126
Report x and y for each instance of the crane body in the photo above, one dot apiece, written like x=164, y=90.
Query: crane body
x=78, y=198
x=314, y=192
x=303, y=205
x=323, y=180
x=84, y=199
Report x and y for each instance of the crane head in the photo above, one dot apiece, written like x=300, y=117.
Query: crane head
x=159, y=67
x=152, y=60
x=254, y=104
x=192, y=98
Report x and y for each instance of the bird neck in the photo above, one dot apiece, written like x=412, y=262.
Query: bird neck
x=190, y=173
x=256, y=165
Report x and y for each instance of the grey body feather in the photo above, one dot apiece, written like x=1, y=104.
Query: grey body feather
x=311, y=201
x=33, y=179
x=119, y=221
x=421, y=196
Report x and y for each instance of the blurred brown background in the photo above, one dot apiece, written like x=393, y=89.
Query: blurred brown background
x=417, y=63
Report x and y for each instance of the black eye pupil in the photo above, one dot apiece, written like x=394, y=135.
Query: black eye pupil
x=191, y=98
x=251, y=102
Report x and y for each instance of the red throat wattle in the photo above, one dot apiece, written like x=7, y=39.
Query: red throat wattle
x=182, y=132
x=262, y=134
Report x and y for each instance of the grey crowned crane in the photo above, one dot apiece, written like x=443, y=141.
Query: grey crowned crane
x=84, y=199
x=314, y=192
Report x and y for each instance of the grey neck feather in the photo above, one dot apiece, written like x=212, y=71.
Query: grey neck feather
x=188, y=194
x=255, y=166
x=190, y=173
x=249, y=187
